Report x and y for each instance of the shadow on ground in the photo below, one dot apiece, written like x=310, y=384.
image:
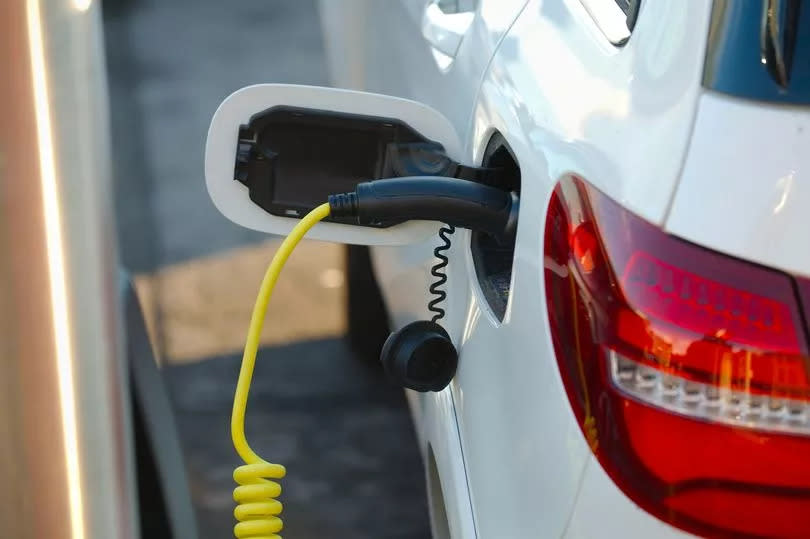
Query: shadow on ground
x=343, y=433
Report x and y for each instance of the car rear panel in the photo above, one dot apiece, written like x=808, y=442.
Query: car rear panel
x=745, y=185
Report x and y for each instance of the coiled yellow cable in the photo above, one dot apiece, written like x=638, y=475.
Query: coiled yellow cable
x=257, y=510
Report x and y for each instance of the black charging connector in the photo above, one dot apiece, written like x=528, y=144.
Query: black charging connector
x=460, y=203
x=421, y=356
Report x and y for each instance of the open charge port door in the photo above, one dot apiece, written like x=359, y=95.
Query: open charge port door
x=274, y=152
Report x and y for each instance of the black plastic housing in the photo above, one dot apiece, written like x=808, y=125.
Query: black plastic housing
x=291, y=159
x=493, y=256
x=460, y=203
x=420, y=356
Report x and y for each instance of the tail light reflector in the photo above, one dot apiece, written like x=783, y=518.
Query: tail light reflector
x=688, y=370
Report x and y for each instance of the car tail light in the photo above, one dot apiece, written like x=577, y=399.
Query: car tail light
x=688, y=370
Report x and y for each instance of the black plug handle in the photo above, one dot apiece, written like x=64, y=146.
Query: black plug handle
x=460, y=203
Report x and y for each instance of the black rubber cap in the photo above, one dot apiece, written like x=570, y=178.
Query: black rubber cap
x=420, y=356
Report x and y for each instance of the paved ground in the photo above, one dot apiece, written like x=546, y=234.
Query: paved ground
x=201, y=307
x=343, y=433
x=345, y=438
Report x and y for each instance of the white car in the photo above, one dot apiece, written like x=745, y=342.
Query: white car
x=637, y=362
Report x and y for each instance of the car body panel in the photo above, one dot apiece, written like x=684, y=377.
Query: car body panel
x=603, y=511
x=744, y=189
x=569, y=102
x=620, y=117
x=441, y=437
x=626, y=136
x=400, y=61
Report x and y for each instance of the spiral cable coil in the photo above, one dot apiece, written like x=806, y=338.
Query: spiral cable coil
x=439, y=273
x=257, y=510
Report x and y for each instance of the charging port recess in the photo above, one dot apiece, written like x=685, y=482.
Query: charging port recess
x=291, y=159
x=492, y=256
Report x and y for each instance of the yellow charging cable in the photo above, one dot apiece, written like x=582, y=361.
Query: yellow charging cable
x=257, y=510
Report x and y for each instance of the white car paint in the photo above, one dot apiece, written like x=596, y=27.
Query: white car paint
x=603, y=511
x=753, y=208
x=412, y=71
x=628, y=139
x=445, y=31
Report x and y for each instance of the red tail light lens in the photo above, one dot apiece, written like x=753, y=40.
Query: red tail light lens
x=687, y=369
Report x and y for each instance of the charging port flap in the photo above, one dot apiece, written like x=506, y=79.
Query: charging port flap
x=276, y=151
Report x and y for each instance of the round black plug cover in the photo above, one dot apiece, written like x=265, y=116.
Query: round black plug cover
x=420, y=356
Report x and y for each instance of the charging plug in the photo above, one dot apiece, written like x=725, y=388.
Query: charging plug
x=459, y=203
x=421, y=356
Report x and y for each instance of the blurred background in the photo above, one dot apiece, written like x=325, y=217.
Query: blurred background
x=344, y=434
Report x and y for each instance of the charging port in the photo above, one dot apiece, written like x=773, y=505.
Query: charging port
x=291, y=159
x=493, y=256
